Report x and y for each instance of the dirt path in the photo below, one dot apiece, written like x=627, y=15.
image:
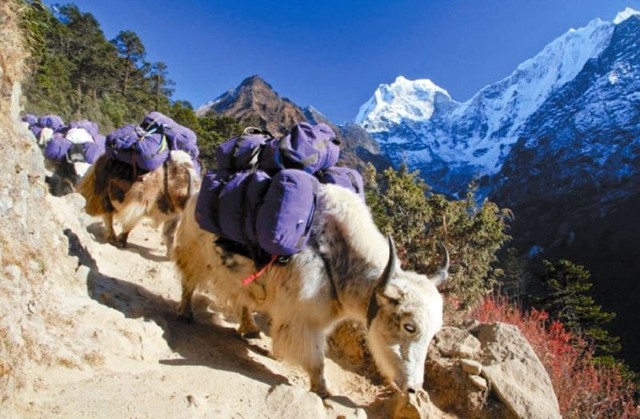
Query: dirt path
x=131, y=357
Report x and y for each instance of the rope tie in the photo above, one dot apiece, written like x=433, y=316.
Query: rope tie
x=256, y=275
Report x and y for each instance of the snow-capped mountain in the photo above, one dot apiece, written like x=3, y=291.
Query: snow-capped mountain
x=452, y=143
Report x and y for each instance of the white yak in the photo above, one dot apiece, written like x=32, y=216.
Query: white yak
x=347, y=270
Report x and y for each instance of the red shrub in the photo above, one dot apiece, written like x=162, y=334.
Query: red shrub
x=584, y=390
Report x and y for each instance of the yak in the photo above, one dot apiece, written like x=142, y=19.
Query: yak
x=348, y=269
x=117, y=192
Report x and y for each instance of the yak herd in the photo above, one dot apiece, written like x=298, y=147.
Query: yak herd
x=342, y=268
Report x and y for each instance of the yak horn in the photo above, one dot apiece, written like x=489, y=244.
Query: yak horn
x=383, y=281
x=443, y=273
x=389, y=270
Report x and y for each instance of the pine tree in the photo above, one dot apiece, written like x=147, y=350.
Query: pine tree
x=403, y=206
x=132, y=53
x=566, y=299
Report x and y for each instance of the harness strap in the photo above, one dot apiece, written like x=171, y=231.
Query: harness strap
x=328, y=269
x=256, y=275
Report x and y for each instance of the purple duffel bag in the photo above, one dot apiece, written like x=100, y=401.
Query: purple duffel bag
x=240, y=199
x=182, y=138
x=207, y=212
x=119, y=143
x=131, y=144
x=343, y=176
x=307, y=147
x=29, y=119
x=51, y=121
x=93, y=150
x=57, y=147
x=284, y=219
x=151, y=151
x=157, y=122
x=242, y=152
x=89, y=126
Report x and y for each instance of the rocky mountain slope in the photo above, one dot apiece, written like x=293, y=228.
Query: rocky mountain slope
x=574, y=179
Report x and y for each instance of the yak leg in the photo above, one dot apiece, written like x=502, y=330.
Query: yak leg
x=168, y=233
x=248, y=327
x=110, y=233
x=185, y=310
x=303, y=345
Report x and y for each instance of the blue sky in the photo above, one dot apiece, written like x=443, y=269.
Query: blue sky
x=333, y=54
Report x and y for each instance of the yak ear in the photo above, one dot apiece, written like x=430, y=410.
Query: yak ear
x=390, y=295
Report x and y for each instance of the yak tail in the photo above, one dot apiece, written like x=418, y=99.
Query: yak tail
x=94, y=202
x=131, y=214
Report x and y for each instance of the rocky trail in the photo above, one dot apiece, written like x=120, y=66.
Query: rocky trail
x=132, y=357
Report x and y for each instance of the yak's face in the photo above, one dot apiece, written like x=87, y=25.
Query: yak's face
x=405, y=312
x=409, y=314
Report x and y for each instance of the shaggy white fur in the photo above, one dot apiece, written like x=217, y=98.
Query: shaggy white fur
x=348, y=269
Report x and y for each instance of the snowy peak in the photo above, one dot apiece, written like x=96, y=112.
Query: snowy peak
x=452, y=143
x=625, y=14
x=401, y=101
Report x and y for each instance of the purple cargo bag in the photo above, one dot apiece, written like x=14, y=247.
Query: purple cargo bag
x=242, y=152
x=92, y=151
x=284, y=219
x=240, y=199
x=89, y=126
x=207, y=212
x=343, y=176
x=119, y=143
x=157, y=122
x=307, y=147
x=57, y=147
x=51, y=121
x=151, y=151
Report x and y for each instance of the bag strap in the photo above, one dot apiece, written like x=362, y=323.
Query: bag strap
x=257, y=131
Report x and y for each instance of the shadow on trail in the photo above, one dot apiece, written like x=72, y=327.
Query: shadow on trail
x=203, y=343
x=209, y=345
x=97, y=232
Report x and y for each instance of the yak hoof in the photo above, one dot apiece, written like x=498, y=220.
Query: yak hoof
x=115, y=241
x=323, y=393
x=186, y=317
x=122, y=239
x=250, y=334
